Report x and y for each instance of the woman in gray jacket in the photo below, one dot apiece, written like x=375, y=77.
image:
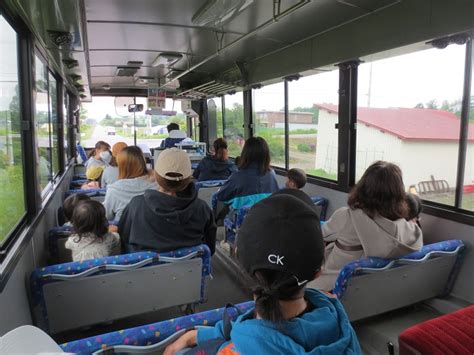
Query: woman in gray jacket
x=134, y=180
x=373, y=225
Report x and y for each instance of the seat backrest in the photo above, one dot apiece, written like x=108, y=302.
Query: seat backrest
x=206, y=189
x=367, y=287
x=171, y=142
x=90, y=192
x=150, y=338
x=81, y=153
x=78, y=294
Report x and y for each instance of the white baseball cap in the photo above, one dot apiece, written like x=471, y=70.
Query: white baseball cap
x=173, y=164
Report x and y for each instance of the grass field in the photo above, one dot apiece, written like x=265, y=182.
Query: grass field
x=12, y=205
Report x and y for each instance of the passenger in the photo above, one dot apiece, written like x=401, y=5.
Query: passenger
x=91, y=239
x=175, y=135
x=171, y=216
x=70, y=204
x=415, y=208
x=255, y=179
x=287, y=319
x=134, y=179
x=374, y=224
x=217, y=167
x=99, y=156
x=295, y=179
x=111, y=173
x=93, y=175
x=237, y=160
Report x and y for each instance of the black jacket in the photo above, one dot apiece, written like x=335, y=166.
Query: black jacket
x=213, y=169
x=160, y=222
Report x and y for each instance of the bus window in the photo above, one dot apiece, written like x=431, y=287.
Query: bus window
x=468, y=188
x=234, y=123
x=53, y=109
x=268, y=105
x=409, y=114
x=43, y=126
x=313, y=138
x=12, y=202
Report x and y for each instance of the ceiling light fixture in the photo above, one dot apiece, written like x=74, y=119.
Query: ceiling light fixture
x=216, y=13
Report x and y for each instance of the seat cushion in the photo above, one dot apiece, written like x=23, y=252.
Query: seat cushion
x=449, y=334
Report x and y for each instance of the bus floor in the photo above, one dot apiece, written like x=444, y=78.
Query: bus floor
x=221, y=289
x=377, y=332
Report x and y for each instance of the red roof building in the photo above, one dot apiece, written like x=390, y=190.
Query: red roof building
x=410, y=123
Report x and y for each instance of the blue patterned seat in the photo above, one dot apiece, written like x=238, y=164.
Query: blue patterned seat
x=151, y=333
x=81, y=153
x=209, y=183
x=415, y=277
x=77, y=183
x=89, y=192
x=93, y=267
x=234, y=221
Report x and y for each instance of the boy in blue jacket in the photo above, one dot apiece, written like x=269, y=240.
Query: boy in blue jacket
x=280, y=245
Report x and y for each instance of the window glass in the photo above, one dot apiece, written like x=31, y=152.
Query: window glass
x=468, y=188
x=108, y=119
x=268, y=104
x=234, y=123
x=12, y=201
x=313, y=140
x=53, y=125
x=409, y=114
x=65, y=125
x=219, y=123
x=42, y=122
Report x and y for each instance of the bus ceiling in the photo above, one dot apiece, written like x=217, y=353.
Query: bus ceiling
x=200, y=48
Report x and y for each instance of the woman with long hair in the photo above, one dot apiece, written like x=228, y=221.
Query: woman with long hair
x=255, y=179
x=111, y=173
x=134, y=179
x=217, y=166
x=373, y=225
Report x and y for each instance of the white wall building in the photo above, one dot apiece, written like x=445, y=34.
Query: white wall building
x=423, y=142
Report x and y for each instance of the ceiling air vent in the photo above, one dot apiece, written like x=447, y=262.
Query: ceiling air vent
x=126, y=71
x=60, y=38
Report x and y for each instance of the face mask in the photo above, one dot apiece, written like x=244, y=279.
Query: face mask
x=105, y=156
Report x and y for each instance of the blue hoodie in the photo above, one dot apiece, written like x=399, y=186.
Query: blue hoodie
x=324, y=330
x=247, y=187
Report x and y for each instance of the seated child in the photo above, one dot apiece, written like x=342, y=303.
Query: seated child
x=90, y=238
x=70, y=204
x=287, y=319
x=414, y=208
x=93, y=175
x=295, y=179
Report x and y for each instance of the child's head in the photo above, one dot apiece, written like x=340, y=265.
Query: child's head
x=173, y=170
x=94, y=173
x=101, y=149
x=295, y=179
x=71, y=202
x=89, y=217
x=281, y=246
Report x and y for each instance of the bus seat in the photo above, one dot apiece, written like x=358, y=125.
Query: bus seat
x=206, y=189
x=77, y=183
x=56, y=240
x=95, y=194
x=366, y=287
x=452, y=333
x=80, y=170
x=79, y=294
x=81, y=154
x=150, y=338
x=234, y=222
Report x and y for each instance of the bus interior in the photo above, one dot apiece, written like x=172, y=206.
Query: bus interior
x=332, y=86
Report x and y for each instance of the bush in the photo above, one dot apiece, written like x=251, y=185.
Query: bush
x=304, y=148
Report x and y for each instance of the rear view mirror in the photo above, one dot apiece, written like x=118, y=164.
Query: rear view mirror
x=135, y=108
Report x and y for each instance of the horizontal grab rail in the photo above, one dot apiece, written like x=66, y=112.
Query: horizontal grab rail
x=91, y=271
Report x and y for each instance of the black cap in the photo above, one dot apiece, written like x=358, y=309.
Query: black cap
x=281, y=233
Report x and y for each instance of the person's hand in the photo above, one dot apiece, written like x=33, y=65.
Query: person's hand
x=113, y=228
x=187, y=340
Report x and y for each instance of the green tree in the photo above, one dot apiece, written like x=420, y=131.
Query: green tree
x=432, y=104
